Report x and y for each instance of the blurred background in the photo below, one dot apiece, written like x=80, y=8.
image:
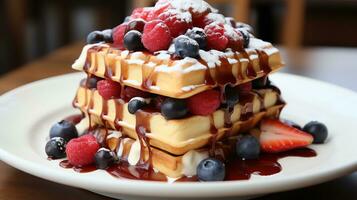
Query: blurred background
x=30, y=29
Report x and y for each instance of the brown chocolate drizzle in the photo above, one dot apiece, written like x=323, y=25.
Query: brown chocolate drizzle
x=142, y=128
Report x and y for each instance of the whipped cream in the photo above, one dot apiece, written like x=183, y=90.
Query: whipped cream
x=191, y=160
x=80, y=62
x=134, y=154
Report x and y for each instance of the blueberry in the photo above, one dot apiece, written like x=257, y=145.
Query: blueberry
x=127, y=19
x=136, y=25
x=244, y=26
x=248, y=148
x=65, y=130
x=261, y=83
x=291, y=123
x=95, y=37
x=231, y=21
x=92, y=82
x=199, y=35
x=186, y=47
x=317, y=130
x=211, y=169
x=231, y=95
x=104, y=158
x=174, y=108
x=132, y=41
x=246, y=37
x=56, y=148
x=135, y=104
x=108, y=35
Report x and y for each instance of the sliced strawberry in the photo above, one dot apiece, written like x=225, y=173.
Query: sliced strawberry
x=278, y=137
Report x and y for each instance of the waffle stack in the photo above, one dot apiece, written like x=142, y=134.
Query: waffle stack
x=175, y=145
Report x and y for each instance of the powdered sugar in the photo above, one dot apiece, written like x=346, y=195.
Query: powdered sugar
x=197, y=6
x=181, y=15
x=216, y=17
x=230, y=32
x=185, y=65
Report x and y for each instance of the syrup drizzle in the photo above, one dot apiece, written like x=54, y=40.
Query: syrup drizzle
x=223, y=76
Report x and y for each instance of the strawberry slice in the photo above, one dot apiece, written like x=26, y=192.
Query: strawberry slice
x=278, y=137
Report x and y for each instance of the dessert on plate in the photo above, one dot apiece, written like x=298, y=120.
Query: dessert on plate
x=176, y=91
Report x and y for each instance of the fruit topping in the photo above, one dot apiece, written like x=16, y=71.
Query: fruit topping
x=136, y=24
x=141, y=13
x=118, y=35
x=318, y=131
x=100, y=36
x=56, y=148
x=216, y=38
x=156, y=36
x=178, y=22
x=278, y=137
x=243, y=26
x=199, y=35
x=231, y=21
x=64, y=129
x=235, y=38
x=135, y=104
x=104, y=158
x=248, y=147
x=92, y=81
x=130, y=92
x=108, y=89
x=246, y=37
x=157, y=10
x=245, y=87
x=186, y=47
x=80, y=151
x=174, y=108
x=204, y=103
x=95, y=37
x=132, y=41
x=211, y=169
x=292, y=124
x=231, y=95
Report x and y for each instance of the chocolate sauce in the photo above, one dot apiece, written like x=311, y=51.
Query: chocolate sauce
x=141, y=128
x=251, y=73
x=85, y=169
x=224, y=74
x=213, y=140
x=264, y=61
x=266, y=165
x=75, y=119
x=125, y=171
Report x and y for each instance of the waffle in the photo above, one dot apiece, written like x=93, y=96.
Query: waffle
x=163, y=75
x=174, y=166
x=178, y=136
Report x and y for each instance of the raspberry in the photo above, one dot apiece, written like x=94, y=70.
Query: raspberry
x=177, y=22
x=156, y=36
x=157, y=10
x=204, y=103
x=108, y=89
x=216, y=38
x=205, y=20
x=141, y=13
x=235, y=38
x=245, y=87
x=81, y=151
x=130, y=92
x=118, y=35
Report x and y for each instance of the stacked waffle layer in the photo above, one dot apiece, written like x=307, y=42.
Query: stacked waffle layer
x=176, y=146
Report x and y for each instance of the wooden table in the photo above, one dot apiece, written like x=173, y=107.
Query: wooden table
x=336, y=65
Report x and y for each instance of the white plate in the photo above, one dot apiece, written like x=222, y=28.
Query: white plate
x=28, y=112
